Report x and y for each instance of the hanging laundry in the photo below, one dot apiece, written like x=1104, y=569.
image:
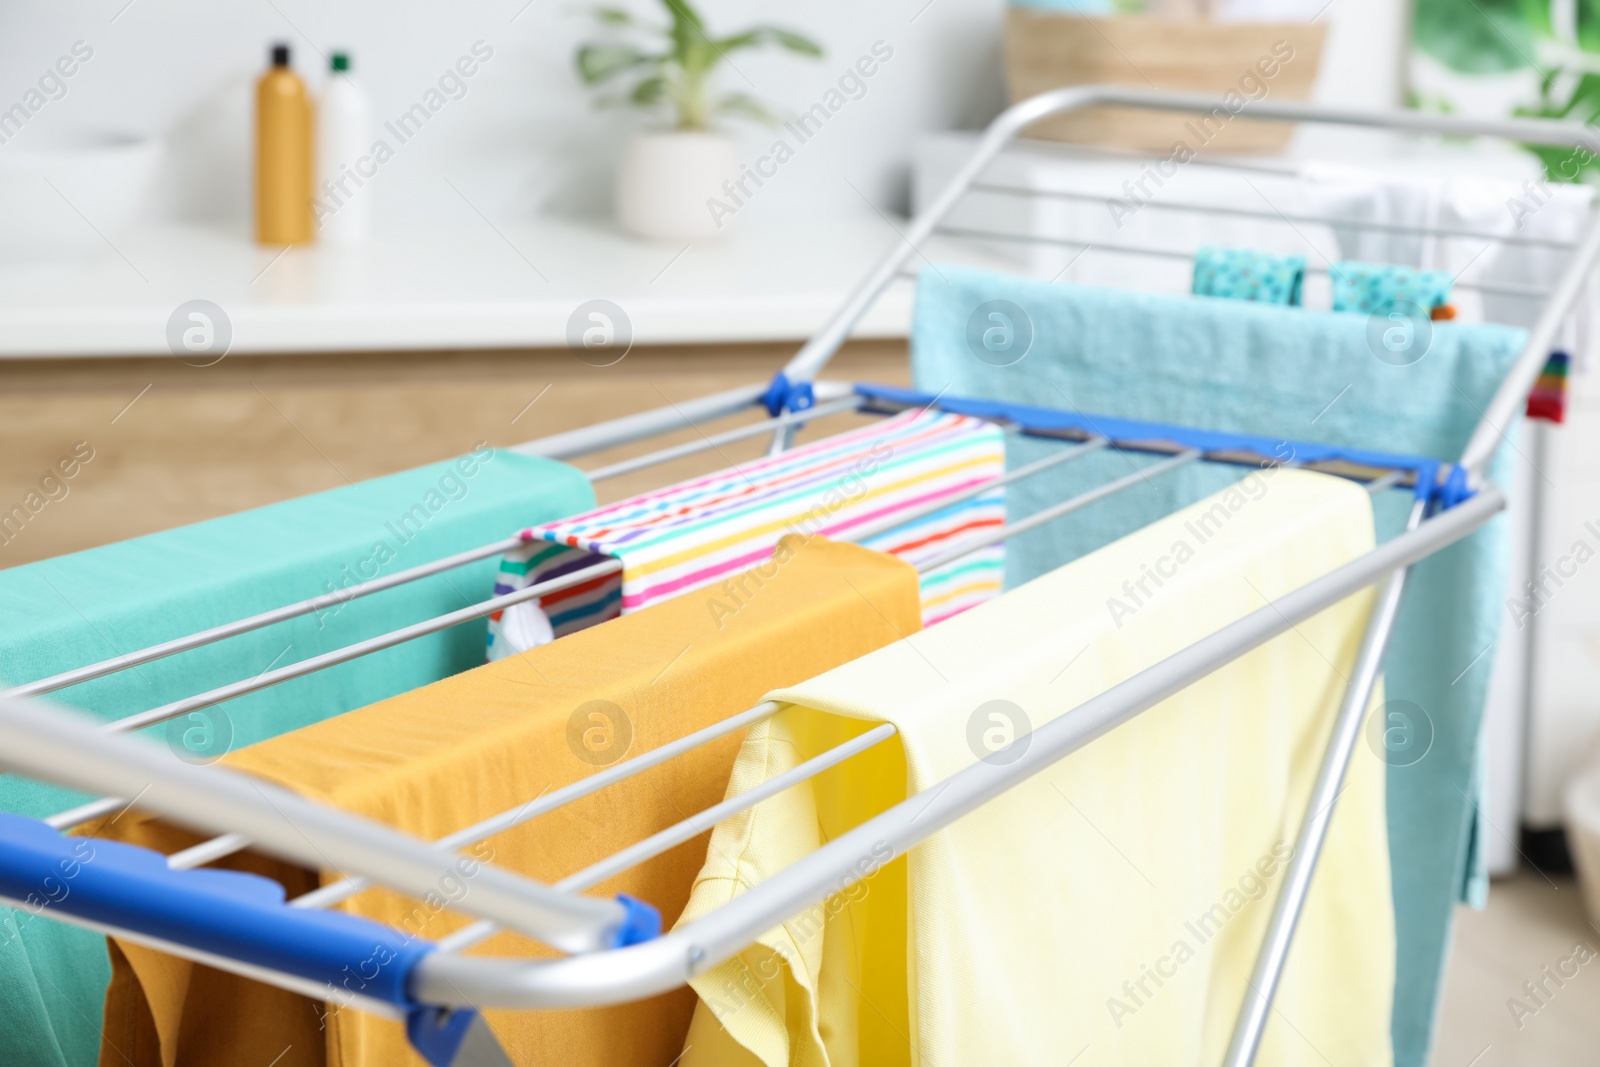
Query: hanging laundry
x=1233, y=366
x=1370, y=288
x=1114, y=901
x=75, y=609
x=1245, y=274
x=451, y=754
x=699, y=533
x=1387, y=216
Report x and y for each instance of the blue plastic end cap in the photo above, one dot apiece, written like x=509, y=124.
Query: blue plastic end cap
x=783, y=395
x=436, y=1033
x=642, y=924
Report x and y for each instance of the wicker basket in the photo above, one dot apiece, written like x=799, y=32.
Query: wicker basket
x=1252, y=61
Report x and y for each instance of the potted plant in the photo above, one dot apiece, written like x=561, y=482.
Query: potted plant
x=668, y=174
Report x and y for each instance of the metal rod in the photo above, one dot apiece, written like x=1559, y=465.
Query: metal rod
x=1494, y=288
x=333, y=893
x=1251, y=1023
x=1056, y=511
x=71, y=749
x=207, y=852
x=1257, y=213
x=668, y=962
x=1066, y=455
x=255, y=622
x=689, y=448
x=782, y=439
x=629, y=428
x=688, y=829
x=94, y=809
x=361, y=648
x=695, y=825
x=1378, y=485
x=106, y=805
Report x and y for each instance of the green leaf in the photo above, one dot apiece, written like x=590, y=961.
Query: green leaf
x=1478, y=36
x=1563, y=165
x=649, y=92
x=683, y=11
x=1589, y=25
x=1564, y=98
x=757, y=36
x=741, y=106
x=599, y=62
x=681, y=77
x=794, y=42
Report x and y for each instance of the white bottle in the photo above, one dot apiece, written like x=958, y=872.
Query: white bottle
x=344, y=140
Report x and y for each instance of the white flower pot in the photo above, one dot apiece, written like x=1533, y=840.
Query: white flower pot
x=666, y=181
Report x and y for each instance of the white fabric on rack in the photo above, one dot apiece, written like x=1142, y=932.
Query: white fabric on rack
x=1496, y=206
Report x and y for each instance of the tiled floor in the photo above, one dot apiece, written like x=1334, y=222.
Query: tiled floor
x=1531, y=922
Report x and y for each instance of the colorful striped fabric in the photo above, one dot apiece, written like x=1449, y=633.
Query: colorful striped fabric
x=700, y=533
x=1548, y=398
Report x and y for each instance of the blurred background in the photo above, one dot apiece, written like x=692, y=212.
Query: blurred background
x=535, y=160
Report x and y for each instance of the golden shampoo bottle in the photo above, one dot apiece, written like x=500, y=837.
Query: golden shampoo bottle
x=284, y=166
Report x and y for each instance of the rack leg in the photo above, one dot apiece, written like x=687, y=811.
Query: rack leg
x=1252, y=1020
x=782, y=441
x=481, y=1048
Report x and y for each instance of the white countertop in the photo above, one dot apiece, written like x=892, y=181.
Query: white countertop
x=462, y=287
x=481, y=285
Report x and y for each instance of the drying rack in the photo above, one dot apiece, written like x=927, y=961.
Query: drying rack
x=614, y=949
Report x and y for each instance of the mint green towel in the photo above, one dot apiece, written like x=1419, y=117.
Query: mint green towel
x=85, y=607
x=1248, y=367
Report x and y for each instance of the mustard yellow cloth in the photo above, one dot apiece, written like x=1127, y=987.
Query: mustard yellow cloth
x=453, y=753
x=1111, y=906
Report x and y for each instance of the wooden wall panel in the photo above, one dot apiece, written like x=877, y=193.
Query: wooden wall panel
x=174, y=444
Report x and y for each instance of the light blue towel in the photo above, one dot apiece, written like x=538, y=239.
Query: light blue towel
x=85, y=607
x=1232, y=365
x=1370, y=288
x=1245, y=274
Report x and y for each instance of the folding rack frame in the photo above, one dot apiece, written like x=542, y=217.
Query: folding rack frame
x=615, y=950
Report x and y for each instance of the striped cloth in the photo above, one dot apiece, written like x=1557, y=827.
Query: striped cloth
x=700, y=533
x=1548, y=399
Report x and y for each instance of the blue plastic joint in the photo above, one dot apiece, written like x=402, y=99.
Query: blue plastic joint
x=783, y=395
x=642, y=924
x=1457, y=488
x=436, y=1033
